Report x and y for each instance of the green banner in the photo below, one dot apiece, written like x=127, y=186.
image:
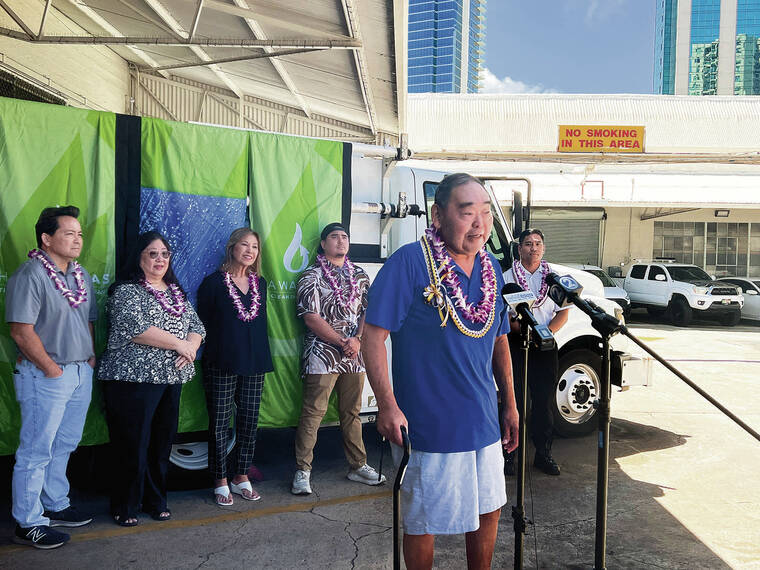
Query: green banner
x=53, y=155
x=194, y=159
x=194, y=185
x=296, y=190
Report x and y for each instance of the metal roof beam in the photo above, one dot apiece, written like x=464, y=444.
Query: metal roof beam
x=166, y=16
x=16, y=18
x=231, y=59
x=120, y=40
x=279, y=16
x=44, y=17
x=149, y=17
x=360, y=60
x=104, y=24
x=258, y=33
x=196, y=19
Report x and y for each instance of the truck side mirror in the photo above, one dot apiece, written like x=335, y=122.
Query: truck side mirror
x=517, y=214
x=660, y=277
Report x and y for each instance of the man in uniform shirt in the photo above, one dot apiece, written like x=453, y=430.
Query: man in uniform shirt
x=50, y=305
x=331, y=298
x=443, y=376
x=530, y=272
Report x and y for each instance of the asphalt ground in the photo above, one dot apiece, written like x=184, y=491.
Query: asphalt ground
x=683, y=489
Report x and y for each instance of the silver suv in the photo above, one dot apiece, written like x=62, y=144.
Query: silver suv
x=683, y=291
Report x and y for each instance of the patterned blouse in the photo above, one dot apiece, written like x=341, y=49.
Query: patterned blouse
x=314, y=295
x=131, y=311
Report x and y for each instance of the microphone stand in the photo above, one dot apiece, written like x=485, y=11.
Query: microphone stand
x=518, y=511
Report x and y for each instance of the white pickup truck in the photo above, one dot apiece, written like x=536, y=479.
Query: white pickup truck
x=683, y=291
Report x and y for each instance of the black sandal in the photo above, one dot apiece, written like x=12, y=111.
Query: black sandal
x=162, y=515
x=123, y=520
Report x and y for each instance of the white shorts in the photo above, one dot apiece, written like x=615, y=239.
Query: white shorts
x=445, y=493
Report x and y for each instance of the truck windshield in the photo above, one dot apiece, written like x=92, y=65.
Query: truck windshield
x=688, y=274
x=603, y=277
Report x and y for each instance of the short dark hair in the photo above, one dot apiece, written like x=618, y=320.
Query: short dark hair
x=47, y=223
x=451, y=181
x=132, y=270
x=529, y=232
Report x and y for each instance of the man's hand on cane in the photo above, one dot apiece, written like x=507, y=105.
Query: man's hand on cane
x=390, y=418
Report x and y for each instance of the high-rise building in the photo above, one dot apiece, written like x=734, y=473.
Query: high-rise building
x=446, y=45
x=707, y=47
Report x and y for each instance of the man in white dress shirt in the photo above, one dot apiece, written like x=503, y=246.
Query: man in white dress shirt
x=529, y=272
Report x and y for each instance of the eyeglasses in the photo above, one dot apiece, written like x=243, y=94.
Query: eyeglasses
x=154, y=254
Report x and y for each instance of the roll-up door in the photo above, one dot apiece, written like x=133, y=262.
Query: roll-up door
x=572, y=236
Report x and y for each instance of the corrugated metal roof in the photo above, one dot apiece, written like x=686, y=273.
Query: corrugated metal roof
x=350, y=77
x=500, y=123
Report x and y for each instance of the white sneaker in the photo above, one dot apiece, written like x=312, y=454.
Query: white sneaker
x=367, y=475
x=301, y=483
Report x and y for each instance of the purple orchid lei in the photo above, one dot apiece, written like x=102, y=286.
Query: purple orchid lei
x=476, y=313
x=253, y=287
x=74, y=298
x=177, y=307
x=335, y=286
x=519, y=272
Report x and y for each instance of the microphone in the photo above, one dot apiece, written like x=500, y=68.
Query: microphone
x=520, y=302
x=565, y=290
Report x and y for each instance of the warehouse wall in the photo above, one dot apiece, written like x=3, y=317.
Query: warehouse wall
x=90, y=77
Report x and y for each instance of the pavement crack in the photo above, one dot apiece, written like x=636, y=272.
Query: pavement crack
x=238, y=536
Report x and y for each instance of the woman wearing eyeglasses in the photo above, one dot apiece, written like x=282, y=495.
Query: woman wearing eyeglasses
x=153, y=336
x=232, y=305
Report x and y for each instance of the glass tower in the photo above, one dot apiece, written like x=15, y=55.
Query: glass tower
x=747, y=70
x=446, y=45
x=702, y=65
x=665, y=46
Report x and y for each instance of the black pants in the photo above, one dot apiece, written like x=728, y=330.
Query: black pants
x=222, y=390
x=142, y=421
x=542, y=374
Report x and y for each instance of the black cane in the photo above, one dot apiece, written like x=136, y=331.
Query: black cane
x=518, y=511
x=407, y=445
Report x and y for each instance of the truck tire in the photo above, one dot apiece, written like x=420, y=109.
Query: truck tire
x=680, y=312
x=578, y=385
x=731, y=319
x=655, y=311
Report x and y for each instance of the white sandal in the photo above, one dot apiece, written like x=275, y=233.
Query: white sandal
x=238, y=488
x=223, y=491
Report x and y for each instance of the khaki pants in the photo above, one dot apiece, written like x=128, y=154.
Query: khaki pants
x=316, y=395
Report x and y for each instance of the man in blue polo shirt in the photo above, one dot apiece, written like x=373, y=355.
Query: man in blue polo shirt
x=443, y=376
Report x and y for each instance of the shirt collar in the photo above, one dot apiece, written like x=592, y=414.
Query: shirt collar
x=53, y=263
x=528, y=272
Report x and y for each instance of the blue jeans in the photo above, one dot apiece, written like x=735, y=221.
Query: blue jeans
x=53, y=411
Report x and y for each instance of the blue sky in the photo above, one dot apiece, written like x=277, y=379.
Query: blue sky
x=569, y=46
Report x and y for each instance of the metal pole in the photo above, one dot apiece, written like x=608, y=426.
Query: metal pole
x=699, y=390
x=518, y=511
x=603, y=459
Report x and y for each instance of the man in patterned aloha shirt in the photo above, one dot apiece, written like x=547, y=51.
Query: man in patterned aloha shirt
x=331, y=298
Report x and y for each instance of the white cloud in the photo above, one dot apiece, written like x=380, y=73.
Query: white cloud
x=597, y=10
x=492, y=84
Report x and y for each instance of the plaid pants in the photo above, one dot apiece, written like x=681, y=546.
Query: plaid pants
x=222, y=390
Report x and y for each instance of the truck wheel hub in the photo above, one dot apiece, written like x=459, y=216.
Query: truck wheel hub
x=577, y=390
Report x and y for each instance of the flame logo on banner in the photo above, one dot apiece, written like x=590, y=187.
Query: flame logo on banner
x=296, y=247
